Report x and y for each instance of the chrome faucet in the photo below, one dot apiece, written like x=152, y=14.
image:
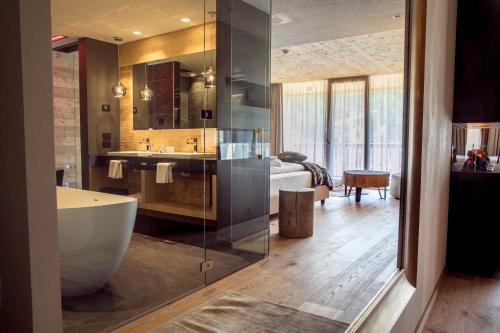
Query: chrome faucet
x=147, y=142
x=194, y=142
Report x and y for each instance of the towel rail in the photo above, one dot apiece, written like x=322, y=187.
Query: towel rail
x=128, y=164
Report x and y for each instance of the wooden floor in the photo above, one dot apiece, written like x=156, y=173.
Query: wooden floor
x=335, y=273
x=465, y=304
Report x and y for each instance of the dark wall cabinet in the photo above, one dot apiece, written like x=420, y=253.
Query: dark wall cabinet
x=474, y=224
x=243, y=116
x=477, y=71
x=474, y=218
x=99, y=111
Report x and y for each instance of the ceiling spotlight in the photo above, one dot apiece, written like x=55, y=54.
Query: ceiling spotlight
x=192, y=74
x=137, y=33
x=185, y=19
x=397, y=16
x=117, y=39
x=285, y=51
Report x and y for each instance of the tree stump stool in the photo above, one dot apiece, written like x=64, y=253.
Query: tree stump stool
x=296, y=215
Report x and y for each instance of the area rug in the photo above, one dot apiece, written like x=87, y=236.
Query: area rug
x=234, y=313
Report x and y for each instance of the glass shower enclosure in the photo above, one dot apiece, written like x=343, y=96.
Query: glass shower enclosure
x=243, y=124
x=212, y=220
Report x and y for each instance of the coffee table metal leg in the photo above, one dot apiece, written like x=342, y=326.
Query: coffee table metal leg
x=349, y=193
x=385, y=193
x=379, y=194
x=345, y=190
x=358, y=194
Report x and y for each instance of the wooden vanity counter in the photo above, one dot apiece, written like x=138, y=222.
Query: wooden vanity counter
x=194, y=184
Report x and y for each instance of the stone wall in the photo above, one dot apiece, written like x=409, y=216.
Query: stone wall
x=67, y=116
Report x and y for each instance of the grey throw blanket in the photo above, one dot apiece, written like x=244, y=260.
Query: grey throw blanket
x=320, y=174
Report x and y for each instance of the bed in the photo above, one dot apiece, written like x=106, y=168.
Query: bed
x=288, y=176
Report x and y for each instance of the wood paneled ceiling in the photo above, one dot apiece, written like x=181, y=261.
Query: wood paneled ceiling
x=336, y=38
x=377, y=53
x=325, y=38
x=298, y=22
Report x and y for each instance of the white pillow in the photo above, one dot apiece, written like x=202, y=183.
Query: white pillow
x=276, y=163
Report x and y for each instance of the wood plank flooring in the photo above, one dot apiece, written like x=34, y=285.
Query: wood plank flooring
x=334, y=273
x=465, y=304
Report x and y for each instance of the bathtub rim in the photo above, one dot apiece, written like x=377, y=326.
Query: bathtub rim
x=90, y=201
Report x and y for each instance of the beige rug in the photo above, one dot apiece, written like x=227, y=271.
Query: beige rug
x=234, y=313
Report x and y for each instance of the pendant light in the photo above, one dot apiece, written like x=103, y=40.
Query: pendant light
x=146, y=93
x=118, y=90
x=210, y=72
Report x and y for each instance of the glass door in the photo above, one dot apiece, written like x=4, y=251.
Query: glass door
x=240, y=236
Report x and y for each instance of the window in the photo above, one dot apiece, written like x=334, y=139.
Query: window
x=347, y=126
x=365, y=123
x=385, y=122
x=304, y=119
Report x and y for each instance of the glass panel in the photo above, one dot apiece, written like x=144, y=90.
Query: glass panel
x=347, y=135
x=117, y=263
x=240, y=236
x=386, y=122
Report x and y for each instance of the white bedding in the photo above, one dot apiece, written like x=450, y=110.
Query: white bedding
x=287, y=167
x=286, y=180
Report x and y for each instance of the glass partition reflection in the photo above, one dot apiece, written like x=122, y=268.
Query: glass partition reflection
x=476, y=147
x=171, y=92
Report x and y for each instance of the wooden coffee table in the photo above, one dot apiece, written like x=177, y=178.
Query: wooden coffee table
x=365, y=178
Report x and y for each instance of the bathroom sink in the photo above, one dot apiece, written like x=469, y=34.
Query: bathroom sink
x=131, y=153
x=183, y=155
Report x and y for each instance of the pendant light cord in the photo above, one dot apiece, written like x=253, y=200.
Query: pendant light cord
x=118, y=63
x=211, y=36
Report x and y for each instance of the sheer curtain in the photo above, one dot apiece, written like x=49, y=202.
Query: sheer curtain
x=276, y=118
x=304, y=119
x=386, y=122
x=347, y=126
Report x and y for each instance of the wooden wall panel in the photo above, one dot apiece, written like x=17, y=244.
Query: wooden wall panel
x=172, y=44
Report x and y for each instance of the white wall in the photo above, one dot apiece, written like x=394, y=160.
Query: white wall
x=29, y=261
x=438, y=106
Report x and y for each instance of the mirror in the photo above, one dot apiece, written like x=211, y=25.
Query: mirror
x=176, y=89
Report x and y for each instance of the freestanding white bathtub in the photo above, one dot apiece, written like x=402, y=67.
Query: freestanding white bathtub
x=94, y=234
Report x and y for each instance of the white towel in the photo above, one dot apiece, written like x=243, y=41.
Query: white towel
x=164, y=173
x=115, y=169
